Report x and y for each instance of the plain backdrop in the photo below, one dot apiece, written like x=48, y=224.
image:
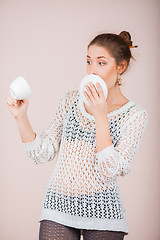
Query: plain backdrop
x=45, y=41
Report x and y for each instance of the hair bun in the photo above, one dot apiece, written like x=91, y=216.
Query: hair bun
x=127, y=37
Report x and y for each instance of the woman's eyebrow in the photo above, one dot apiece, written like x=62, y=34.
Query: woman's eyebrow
x=98, y=57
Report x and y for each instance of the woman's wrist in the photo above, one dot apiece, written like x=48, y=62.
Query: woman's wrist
x=20, y=116
x=100, y=118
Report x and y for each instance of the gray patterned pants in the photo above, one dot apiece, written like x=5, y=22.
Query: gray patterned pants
x=50, y=230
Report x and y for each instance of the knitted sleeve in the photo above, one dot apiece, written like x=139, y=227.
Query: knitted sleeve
x=116, y=160
x=46, y=145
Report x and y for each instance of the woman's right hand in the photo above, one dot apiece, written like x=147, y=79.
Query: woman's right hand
x=17, y=107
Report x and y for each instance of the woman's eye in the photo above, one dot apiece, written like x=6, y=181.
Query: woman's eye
x=102, y=63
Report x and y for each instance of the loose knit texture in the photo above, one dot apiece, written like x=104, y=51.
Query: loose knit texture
x=82, y=191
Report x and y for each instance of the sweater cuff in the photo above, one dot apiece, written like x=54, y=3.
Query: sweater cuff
x=29, y=146
x=106, y=152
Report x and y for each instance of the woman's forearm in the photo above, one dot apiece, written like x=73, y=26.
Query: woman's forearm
x=103, y=138
x=26, y=132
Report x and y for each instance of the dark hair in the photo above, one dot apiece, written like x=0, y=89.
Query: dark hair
x=117, y=45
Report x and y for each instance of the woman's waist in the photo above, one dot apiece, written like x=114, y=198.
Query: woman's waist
x=80, y=186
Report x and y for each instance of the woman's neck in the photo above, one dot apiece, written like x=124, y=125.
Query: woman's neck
x=115, y=96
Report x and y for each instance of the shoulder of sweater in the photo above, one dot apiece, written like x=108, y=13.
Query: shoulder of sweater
x=70, y=97
x=138, y=111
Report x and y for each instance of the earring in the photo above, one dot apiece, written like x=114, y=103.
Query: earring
x=119, y=80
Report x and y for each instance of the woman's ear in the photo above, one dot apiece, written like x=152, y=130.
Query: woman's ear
x=121, y=66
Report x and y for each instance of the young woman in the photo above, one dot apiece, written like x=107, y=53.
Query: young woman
x=95, y=144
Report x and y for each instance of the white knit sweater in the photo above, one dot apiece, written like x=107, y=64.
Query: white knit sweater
x=83, y=191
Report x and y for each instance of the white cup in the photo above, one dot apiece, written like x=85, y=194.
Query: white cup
x=20, y=89
x=85, y=81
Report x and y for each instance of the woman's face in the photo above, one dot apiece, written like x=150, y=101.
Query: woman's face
x=101, y=63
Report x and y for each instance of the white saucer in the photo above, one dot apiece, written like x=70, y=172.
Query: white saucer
x=85, y=81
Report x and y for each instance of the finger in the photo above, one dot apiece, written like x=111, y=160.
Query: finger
x=10, y=103
x=88, y=91
x=100, y=90
x=87, y=96
x=91, y=92
x=12, y=100
x=93, y=89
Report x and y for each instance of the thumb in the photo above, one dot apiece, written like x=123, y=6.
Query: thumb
x=25, y=101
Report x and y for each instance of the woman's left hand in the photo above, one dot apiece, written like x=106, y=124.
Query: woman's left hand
x=98, y=105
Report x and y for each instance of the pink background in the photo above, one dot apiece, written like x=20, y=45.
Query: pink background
x=45, y=41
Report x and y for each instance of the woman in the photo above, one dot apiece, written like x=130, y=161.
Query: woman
x=95, y=144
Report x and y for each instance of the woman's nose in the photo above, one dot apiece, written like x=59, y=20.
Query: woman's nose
x=93, y=70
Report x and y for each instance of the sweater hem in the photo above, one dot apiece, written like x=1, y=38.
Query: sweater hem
x=85, y=222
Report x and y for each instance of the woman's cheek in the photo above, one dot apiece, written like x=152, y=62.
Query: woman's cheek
x=109, y=79
x=110, y=74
